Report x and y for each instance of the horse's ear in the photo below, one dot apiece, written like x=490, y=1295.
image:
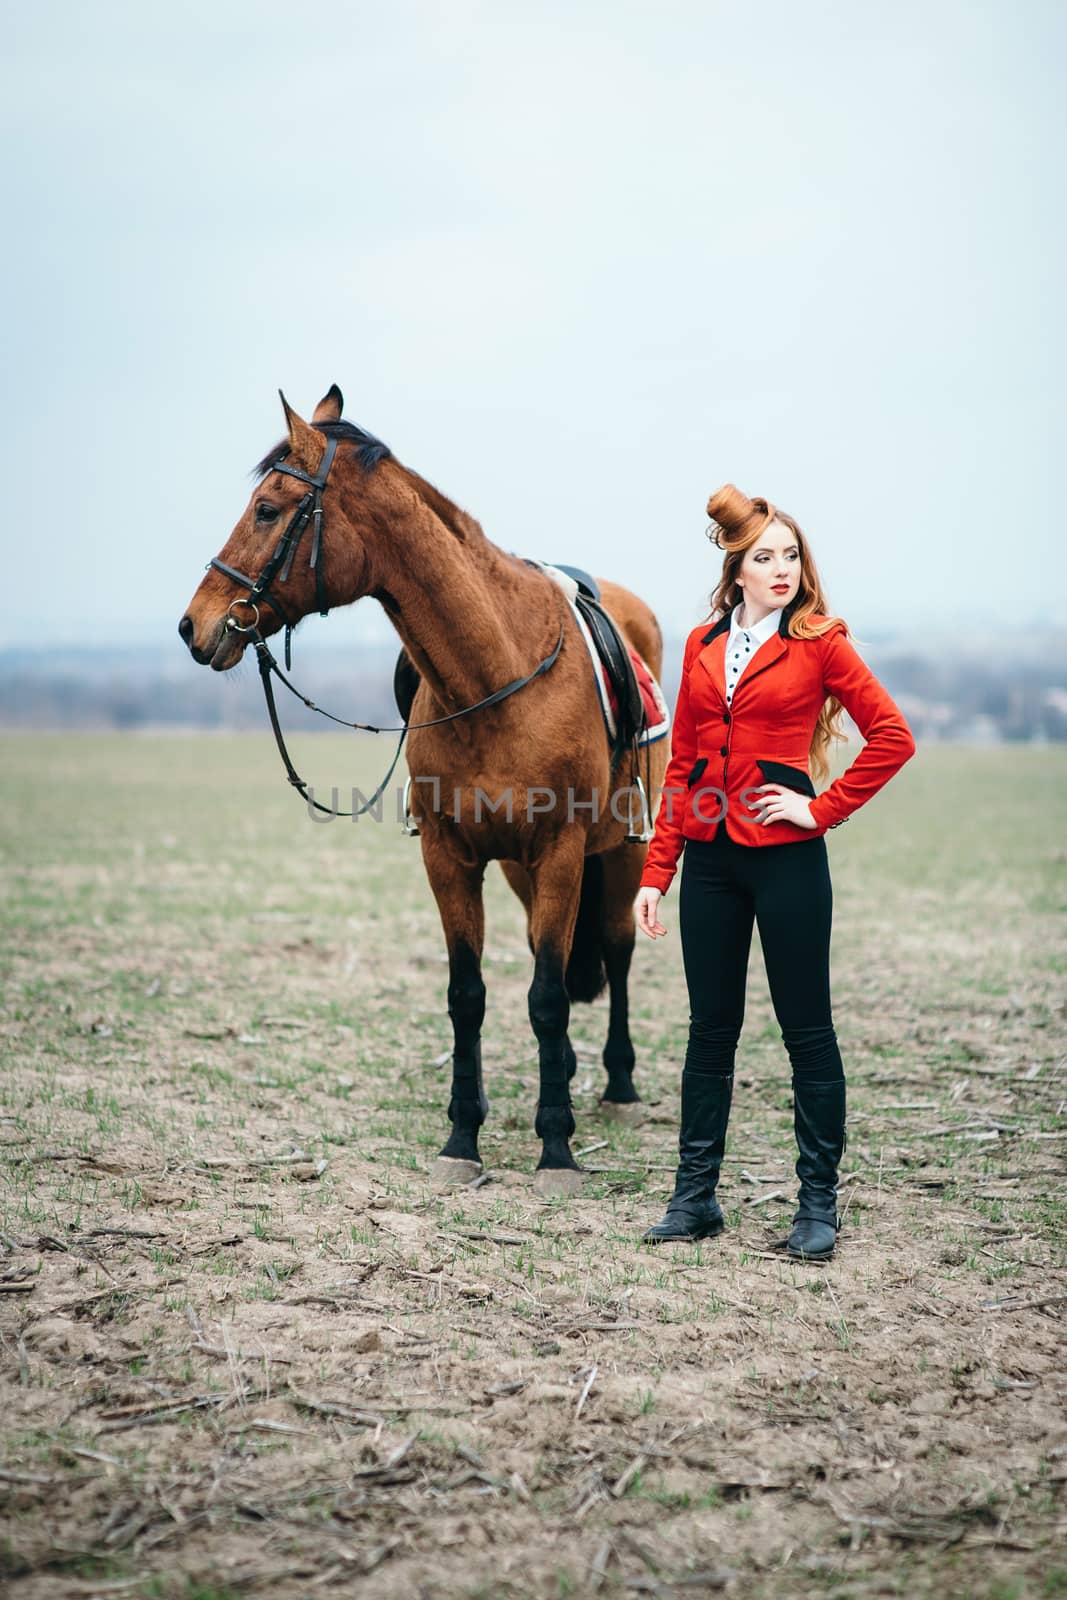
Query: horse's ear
x=305, y=445
x=330, y=406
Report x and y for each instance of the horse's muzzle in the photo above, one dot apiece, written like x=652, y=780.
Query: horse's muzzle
x=187, y=633
x=224, y=648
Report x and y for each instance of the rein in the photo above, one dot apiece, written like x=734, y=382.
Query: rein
x=268, y=666
x=279, y=565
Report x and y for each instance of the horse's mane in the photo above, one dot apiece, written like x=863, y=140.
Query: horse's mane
x=369, y=453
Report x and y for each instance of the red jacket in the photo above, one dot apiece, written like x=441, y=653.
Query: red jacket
x=720, y=752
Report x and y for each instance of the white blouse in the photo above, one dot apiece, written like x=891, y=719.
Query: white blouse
x=743, y=643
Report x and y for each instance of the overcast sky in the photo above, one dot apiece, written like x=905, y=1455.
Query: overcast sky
x=578, y=263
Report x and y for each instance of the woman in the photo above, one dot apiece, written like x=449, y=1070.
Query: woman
x=761, y=698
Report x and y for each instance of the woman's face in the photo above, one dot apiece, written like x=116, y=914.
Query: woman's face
x=770, y=571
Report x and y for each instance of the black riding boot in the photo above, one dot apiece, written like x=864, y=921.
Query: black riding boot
x=819, y=1119
x=693, y=1211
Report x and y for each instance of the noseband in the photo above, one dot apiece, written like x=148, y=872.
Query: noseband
x=281, y=561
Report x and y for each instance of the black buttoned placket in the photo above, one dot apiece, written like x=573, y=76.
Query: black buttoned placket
x=733, y=666
x=747, y=647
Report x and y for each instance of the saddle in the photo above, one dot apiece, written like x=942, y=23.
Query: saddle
x=614, y=653
x=611, y=647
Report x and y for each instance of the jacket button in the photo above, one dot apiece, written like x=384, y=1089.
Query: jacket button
x=725, y=751
x=726, y=716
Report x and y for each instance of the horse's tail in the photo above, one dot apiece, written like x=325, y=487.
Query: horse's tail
x=586, y=976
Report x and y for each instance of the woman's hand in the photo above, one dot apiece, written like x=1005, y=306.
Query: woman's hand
x=784, y=805
x=646, y=909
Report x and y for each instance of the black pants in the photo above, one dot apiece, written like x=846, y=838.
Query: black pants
x=786, y=888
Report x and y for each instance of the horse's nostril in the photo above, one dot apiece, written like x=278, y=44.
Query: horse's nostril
x=185, y=628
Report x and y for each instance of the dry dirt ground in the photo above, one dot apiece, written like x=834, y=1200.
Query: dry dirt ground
x=246, y=1348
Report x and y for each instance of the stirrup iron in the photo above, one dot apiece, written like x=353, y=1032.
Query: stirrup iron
x=409, y=826
x=642, y=834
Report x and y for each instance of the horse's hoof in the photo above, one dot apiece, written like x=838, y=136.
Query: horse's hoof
x=555, y=1183
x=630, y=1112
x=449, y=1173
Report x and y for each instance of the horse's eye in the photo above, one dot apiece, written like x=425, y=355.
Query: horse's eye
x=266, y=513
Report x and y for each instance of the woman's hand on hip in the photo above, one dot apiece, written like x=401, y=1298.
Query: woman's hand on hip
x=646, y=909
x=784, y=805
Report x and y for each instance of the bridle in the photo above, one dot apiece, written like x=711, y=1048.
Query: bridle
x=279, y=566
x=281, y=561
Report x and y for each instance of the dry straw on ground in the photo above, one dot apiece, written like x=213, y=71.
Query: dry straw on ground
x=245, y=1348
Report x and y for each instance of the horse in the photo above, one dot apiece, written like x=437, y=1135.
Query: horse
x=473, y=620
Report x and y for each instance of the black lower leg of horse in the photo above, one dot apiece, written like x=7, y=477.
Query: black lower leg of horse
x=468, y=1106
x=549, y=1015
x=619, y=1051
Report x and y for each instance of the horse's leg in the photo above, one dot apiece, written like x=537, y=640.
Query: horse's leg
x=622, y=875
x=519, y=879
x=556, y=887
x=458, y=892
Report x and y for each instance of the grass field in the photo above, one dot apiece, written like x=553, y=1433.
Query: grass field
x=246, y=1348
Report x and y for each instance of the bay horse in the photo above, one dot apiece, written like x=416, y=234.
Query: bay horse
x=472, y=619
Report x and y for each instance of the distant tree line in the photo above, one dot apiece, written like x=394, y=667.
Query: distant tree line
x=950, y=697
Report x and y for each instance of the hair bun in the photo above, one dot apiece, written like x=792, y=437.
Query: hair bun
x=736, y=517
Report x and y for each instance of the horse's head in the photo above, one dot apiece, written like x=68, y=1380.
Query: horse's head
x=293, y=550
